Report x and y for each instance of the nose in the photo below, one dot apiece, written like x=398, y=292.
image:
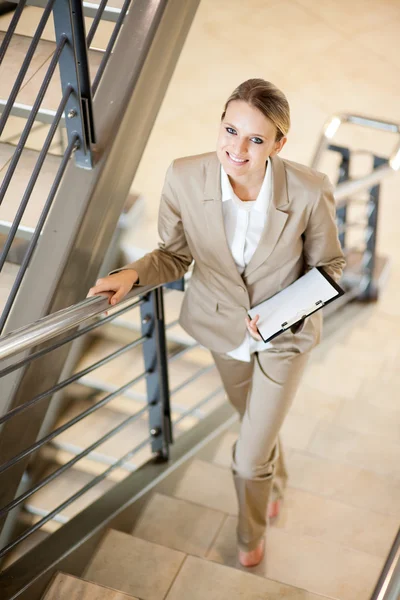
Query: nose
x=240, y=147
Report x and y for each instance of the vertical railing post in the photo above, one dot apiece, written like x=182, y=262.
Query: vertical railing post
x=344, y=175
x=74, y=71
x=369, y=260
x=157, y=384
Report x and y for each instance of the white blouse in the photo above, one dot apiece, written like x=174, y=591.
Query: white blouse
x=244, y=223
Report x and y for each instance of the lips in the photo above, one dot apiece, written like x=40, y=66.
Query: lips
x=236, y=160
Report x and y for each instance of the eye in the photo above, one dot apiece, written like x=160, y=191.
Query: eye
x=257, y=140
x=230, y=130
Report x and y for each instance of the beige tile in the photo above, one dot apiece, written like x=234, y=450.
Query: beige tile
x=320, y=567
x=208, y=485
x=178, y=524
x=364, y=362
x=358, y=415
x=18, y=185
x=6, y=152
x=222, y=455
x=381, y=393
x=311, y=515
x=351, y=17
x=67, y=587
x=352, y=485
x=297, y=430
x=319, y=377
x=134, y=566
x=318, y=475
x=13, y=60
x=29, y=21
x=372, y=491
x=66, y=485
x=313, y=403
x=372, y=452
x=200, y=579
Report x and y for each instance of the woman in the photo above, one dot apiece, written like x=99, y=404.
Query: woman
x=253, y=223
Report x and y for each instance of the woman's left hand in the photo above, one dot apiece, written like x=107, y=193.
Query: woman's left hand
x=252, y=327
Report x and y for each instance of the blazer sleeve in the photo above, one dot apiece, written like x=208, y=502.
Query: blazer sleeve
x=321, y=242
x=172, y=258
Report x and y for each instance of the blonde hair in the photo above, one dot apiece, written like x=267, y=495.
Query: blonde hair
x=265, y=96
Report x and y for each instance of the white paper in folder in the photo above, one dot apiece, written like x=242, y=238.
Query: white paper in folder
x=304, y=296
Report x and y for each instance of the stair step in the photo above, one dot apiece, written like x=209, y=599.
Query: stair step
x=67, y=587
x=13, y=60
x=152, y=571
x=91, y=428
x=56, y=492
x=31, y=14
x=119, y=371
x=18, y=186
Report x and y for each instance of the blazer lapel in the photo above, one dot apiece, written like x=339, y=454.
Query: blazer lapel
x=276, y=216
x=212, y=203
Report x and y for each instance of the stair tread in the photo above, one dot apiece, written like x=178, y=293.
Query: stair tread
x=126, y=367
x=94, y=426
x=67, y=484
x=68, y=587
x=12, y=63
x=20, y=181
x=153, y=571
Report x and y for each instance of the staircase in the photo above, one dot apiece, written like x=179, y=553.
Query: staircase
x=341, y=508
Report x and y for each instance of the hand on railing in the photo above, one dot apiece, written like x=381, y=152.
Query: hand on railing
x=114, y=287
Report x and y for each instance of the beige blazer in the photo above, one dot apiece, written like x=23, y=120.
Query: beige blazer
x=300, y=233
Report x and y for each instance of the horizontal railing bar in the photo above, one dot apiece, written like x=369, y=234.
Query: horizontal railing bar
x=28, y=451
x=32, y=244
x=43, y=115
x=192, y=378
x=96, y=22
x=179, y=353
x=75, y=496
x=25, y=65
x=110, y=45
x=89, y=9
x=11, y=28
x=73, y=461
x=32, y=182
x=372, y=122
x=68, y=339
x=172, y=324
x=347, y=188
x=59, y=386
x=28, y=126
x=59, y=322
x=196, y=407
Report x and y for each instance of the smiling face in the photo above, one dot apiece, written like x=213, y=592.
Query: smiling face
x=246, y=139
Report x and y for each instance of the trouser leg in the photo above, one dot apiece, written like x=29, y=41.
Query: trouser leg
x=271, y=381
x=276, y=377
x=237, y=376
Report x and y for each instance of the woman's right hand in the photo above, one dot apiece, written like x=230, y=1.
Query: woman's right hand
x=114, y=287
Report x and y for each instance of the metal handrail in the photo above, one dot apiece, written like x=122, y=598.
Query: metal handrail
x=59, y=322
x=72, y=379
x=388, y=586
x=333, y=123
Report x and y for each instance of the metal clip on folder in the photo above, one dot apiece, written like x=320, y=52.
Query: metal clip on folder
x=302, y=314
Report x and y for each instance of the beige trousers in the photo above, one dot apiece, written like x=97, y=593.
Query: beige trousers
x=262, y=391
